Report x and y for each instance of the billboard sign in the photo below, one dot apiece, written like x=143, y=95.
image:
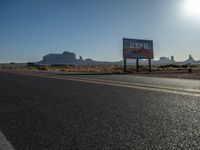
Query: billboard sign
x=136, y=48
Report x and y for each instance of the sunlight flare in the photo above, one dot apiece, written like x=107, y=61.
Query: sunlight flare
x=192, y=8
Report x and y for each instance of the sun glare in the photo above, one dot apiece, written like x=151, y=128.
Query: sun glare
x=192, y=8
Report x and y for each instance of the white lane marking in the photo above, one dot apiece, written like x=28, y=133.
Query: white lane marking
x=135, y=87
x=190, y=92
x=137, y=84
x=4, y=143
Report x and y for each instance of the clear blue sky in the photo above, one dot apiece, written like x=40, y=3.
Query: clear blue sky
x=30, y=29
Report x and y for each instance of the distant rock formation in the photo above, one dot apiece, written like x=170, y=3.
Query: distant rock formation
x=190, y=60
x=64, y=58
x=172, y=59
x=166, y=60
x=69, y=58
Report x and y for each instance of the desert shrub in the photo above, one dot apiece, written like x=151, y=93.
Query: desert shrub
x=170, y=66
x=184, y=66
x=194, y=65
x=43, y=68
x=190, y=70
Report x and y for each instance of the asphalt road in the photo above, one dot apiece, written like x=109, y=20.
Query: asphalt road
x=163, y=81
x=41, y=113
x=130, y=78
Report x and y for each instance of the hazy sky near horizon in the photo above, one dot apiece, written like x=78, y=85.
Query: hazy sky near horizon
x=30, y=29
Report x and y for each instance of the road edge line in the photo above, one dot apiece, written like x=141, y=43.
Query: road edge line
x=4, y=143
x=99, y=81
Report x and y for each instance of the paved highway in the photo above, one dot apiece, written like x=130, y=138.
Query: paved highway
x=58, y=112
x=134, y=79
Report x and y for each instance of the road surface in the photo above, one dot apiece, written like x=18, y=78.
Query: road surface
x=59, y=112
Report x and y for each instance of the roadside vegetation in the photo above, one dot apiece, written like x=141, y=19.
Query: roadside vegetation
x=105, y=68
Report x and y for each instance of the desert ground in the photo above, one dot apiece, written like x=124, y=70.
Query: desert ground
x=171, y=71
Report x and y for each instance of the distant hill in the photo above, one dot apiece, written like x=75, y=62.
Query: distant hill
x=69, y=58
